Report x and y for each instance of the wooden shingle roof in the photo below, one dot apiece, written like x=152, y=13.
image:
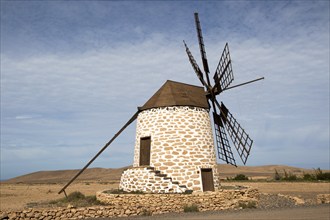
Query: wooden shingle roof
x=177, y=94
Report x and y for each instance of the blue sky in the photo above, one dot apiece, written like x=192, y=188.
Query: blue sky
x=73, y=72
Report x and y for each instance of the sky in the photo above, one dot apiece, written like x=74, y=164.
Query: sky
x=73, y=73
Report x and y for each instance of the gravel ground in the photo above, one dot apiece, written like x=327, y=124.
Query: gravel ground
x=273, y=201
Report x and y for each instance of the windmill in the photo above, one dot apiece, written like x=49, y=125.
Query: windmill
x=172, y=102
x=223, y=120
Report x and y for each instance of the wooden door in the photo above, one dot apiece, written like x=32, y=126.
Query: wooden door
x=207, y=180
x=145, y=151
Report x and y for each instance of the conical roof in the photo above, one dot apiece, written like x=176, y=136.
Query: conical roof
x=177, y=94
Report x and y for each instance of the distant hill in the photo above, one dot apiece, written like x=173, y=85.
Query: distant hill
x=60, y=176
x=113, y=175
x=259, y=172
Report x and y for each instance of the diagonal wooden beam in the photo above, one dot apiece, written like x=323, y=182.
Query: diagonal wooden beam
x=98, y=154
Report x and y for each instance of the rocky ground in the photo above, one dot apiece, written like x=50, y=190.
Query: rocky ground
x=273, y=201
x=275, y=196
x=271, y=206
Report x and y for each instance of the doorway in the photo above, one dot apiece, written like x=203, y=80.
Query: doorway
x=145, y=143
x=207, y=179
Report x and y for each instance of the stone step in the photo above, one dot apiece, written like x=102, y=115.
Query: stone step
x=165, y=177
x=157, y=181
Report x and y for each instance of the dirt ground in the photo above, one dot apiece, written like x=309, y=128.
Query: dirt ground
x=304, y=190
x=16, y=196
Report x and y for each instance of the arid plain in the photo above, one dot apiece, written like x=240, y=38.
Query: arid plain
x=38, y=189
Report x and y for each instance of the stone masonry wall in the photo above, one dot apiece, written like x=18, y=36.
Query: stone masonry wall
x=136, y=204
x=123, y=205
x=148, y=180
x=181, y=143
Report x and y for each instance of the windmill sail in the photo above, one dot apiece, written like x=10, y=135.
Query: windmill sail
x=195, y=65
x=224, y=150
x=223, y=77
x=202, y=48
x=239, y=137
x=224, y=73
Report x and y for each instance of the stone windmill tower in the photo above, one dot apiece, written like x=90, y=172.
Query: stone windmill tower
x=174, y=148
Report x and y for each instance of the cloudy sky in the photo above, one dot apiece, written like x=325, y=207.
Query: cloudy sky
x=73, y=72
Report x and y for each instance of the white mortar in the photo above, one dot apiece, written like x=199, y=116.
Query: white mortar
x=181, y=144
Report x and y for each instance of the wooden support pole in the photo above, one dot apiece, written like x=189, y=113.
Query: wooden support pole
x=105, y=146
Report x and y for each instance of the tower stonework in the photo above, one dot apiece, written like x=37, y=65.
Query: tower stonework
x=174, y=147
